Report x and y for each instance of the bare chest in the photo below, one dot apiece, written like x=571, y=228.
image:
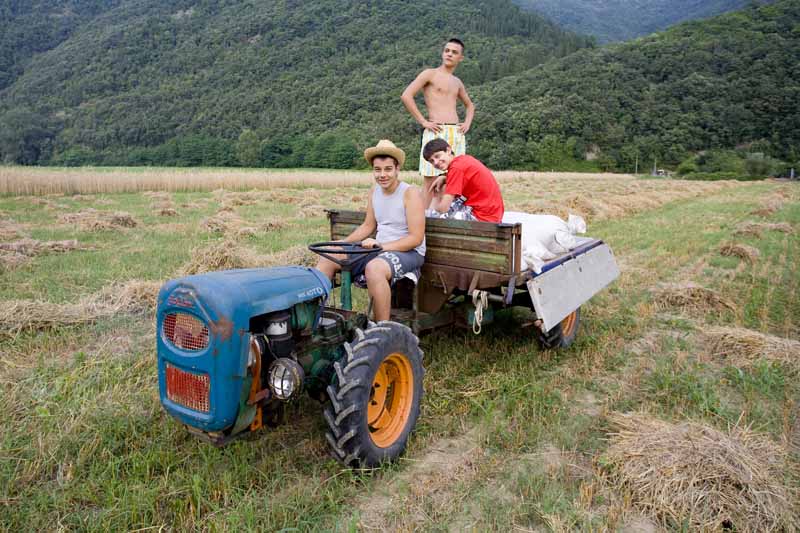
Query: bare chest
x=442, y=85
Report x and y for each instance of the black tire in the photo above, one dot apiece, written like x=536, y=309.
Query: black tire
x=367, y=428
x=562, y=334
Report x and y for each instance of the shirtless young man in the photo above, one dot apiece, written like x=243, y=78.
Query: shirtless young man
x=441, y=90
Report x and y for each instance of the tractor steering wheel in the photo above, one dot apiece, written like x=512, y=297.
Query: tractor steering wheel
x=352, y=251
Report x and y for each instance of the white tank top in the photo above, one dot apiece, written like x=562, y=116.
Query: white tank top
x=390, y=213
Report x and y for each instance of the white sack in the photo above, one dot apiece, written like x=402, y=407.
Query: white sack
x=545, y=236
x=535, y=255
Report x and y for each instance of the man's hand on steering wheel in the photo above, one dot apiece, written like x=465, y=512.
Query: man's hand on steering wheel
x=369, y=243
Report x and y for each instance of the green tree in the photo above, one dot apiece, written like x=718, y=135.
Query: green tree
x=25, y=137
x=248, y=149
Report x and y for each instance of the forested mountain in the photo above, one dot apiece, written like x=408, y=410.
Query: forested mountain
x=620, y=20
x=179, y=81
x=29, y=27
x=718, y=83
x=188, y=82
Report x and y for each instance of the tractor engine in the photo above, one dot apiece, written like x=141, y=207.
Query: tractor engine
x=233, y=346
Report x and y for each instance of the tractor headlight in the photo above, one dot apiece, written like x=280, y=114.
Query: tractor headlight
x=285, y=378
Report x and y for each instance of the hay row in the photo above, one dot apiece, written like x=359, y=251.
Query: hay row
x=16, y=254
x=227, y=222
x=18, y=316
x=769, y=206
x=9, y=229
x=93, y=220
x=742, y=251
x=139, y=296
x=32, y=247
x=689, y=474
x=626, y=198
x=690, y=296
x=744, y=347
x=756, y=229
x=228, y=254
x=161, y=203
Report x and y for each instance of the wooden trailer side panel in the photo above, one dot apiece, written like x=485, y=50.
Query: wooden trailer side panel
x=460, y=255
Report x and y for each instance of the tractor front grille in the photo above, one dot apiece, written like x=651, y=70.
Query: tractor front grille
x=187, y=389
x=185, y=331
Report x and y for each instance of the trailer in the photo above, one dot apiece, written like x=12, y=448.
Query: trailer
x=473, y=269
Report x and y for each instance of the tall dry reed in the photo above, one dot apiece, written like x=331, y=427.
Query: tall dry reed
x=17, y=180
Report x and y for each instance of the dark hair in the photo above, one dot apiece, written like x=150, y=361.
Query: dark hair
x=458, y=42
x=433, y=146
x=384, y=156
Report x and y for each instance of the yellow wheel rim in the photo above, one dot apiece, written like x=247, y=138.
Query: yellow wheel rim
x=390, y=400
x=568, y=324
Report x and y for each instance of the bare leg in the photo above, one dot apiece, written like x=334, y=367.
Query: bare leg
x=327, y=267
x=378, y=275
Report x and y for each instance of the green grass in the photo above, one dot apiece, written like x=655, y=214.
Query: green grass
x=85, y=445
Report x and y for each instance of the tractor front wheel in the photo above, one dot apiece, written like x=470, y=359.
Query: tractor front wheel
x=563, y=333
x=376, y=396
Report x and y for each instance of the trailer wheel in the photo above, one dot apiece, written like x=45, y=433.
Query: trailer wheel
x=376, y=397
x=563, y=333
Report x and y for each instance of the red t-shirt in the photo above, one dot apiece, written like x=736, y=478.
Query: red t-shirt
x=468, y=177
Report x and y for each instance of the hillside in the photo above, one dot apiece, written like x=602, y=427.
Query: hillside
x=719, y=83
x=30, y=27
x=621, y=20
x=165, y=83
x=178, y=82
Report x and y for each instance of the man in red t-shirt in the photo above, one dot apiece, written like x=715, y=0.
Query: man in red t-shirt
x=466, y=177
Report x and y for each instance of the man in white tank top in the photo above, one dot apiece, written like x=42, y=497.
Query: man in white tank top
x=395, y=209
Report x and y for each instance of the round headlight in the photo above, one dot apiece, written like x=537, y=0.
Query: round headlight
x=285, y=378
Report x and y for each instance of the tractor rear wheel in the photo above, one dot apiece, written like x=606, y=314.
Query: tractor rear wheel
x=376, y=397
x=563, y=333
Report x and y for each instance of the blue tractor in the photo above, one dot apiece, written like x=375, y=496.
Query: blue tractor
x=235, y=346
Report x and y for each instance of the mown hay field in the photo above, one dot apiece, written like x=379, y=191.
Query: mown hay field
x=676, y=409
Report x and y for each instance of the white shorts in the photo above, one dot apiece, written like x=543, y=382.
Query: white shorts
x=450, y=133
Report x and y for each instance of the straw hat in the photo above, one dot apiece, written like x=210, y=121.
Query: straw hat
x=385, y=147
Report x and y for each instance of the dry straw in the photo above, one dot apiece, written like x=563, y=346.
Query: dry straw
x=30, y=315
x=31, y=247
x=18, y=253
x=104, y=180
x=742, y=251
x=228, y=254
x=755, y=229
x=692, y=475
x=226, y=222
x=770, y=206
x=9, y=229
x=94, y=220
x=744, y=347
x=690, y=296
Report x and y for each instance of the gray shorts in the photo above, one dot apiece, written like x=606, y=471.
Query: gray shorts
x=402, y=264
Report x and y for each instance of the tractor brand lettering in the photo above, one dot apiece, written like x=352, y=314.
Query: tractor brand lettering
x=310, y=293
x=177, y=301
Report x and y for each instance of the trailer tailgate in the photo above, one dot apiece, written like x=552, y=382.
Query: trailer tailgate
x=570, y=280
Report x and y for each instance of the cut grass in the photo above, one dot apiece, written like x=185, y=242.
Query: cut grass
x=85, y=444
